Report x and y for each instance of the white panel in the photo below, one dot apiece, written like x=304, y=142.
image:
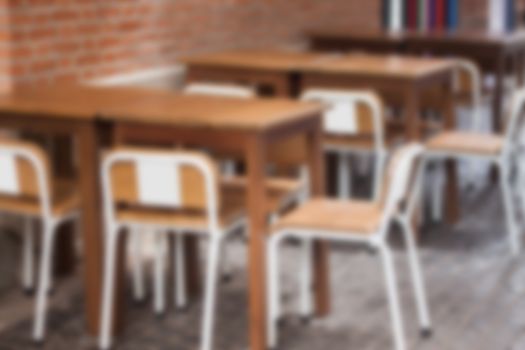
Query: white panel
x=158, y=183
x=9, y=174
x=341, y=118
x=497, y=16
x=396, y=16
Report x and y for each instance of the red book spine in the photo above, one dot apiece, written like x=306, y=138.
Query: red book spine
x=412, y=14
x=440, y=14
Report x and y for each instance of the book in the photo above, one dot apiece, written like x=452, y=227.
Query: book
x=423, y=15
x=386, y=14
x=511, y=14
x=396, y=16
x=452, y=14
x=440, y=14
x=431, y=14
x=497, y=15
x=412, y=14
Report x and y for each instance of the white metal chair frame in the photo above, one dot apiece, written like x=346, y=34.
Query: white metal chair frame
x=214, y=232
x=50, y=223
x=371, y=101
x=475, y=76
x=393, y=210
x=473, y=72
x=228, y=168
x=503, y=161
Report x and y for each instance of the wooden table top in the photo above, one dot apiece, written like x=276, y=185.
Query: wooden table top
x=405, y=67
x=66, y=101
x=172, y=109
x=154, y=106
x=460, y=36
x=261, y=60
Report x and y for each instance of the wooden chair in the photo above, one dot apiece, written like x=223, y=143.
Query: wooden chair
x=283, y=191
x=361, y=222
x=497, y=149
x=165, y=191
x=27, y=190
x=353, y=125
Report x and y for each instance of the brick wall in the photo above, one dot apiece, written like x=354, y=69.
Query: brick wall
x=50, y=41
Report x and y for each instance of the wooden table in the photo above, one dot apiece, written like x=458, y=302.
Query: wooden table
x=273, y=72
x=499, y=54
x=130, y=115
x=236, y=126
x=397, y=78
x=403, y=80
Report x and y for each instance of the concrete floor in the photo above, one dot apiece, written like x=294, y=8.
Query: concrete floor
x=476, y=294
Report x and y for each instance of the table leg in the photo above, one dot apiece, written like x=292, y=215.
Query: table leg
x=91, y=222
x=64, y=168
x=193, y=272
x=412, y=117
x=519, y=68
x=321, y=259
x=497, y=105
x=284, y=87
x=255, y=158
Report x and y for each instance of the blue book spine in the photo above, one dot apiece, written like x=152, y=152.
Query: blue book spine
x=452, y=14
x=511, y=15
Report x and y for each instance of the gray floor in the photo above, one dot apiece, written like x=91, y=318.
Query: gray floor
x=476, y=294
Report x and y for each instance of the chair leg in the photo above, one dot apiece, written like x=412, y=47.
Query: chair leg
x=344, y=177
x=437, y=193
x=139, y=289
x=417, y=278
x=228, y=167
x=210, y=292
x=393, y=297
x=225, y=268
x=378, y=176
x=272, y=270
x=159, y=279
x=44, y=280
x=306, y=307
x=28, y=256
x=181, y=298
x=514, y=237
x=106, y=313
x=521, y=187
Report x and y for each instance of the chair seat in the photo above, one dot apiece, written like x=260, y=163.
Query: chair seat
x=65, y=199
x=230, y=212
x=279, y=190
x=359, y=142
x=321, y=214
x=466, y=142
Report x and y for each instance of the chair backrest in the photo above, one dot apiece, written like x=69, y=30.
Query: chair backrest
x=399, y=179
x=216, y=89
x=350, y=112
x=175, y=180
x=515, y=122
x=468, y=83
x=24, y=172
